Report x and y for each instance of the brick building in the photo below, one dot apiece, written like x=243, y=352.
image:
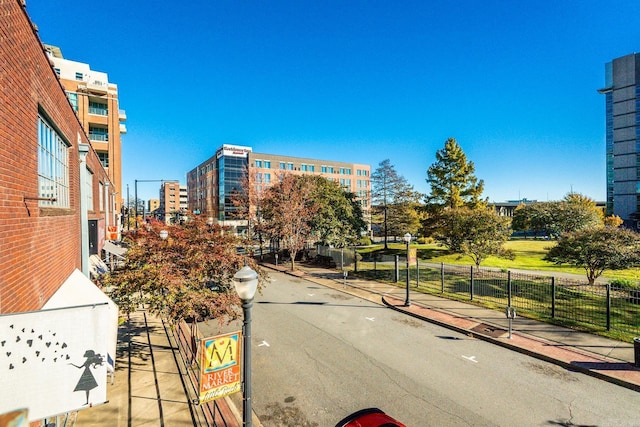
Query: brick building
x=56, y=200
x=211, y=184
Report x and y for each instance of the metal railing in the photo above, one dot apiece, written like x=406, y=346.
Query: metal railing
x=595, y=307
x=188, y=338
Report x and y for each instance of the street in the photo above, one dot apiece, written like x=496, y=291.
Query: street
x=320, y=354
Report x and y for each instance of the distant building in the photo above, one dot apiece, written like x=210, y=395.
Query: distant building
x=622, y=122
x=153, y=206
x=172, y=204
x=508, y=208
x=212, y=183
x=95, y=101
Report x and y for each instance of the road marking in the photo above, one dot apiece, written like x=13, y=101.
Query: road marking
x=264, y=343
x=311, y=295
x=470, y=358
x=370, y=318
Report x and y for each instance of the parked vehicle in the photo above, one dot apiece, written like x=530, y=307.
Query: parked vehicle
x=370, y=417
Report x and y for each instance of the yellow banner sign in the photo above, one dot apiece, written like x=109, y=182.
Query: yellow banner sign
x=219, y=366
x=413, y=255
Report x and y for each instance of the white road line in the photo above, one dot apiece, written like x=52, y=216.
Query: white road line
x=264, y=343
x=311, y=295
x=370, y=318
x=470, y=358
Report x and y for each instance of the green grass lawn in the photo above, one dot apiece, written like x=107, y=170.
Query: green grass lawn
x=529, y=255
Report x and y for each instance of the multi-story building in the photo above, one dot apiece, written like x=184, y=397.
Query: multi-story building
x=57, y=203
x=95, y=101
x=622, y=101
x=212, y=183
x=171, y=201
x=153, y=205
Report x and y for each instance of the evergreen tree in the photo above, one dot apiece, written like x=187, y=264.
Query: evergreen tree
x=388, y=188
x=452, y=180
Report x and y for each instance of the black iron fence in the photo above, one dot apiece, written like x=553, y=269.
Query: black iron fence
x=594, y=307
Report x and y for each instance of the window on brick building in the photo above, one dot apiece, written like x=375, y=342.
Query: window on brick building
x=104, y=158
x=53, y=167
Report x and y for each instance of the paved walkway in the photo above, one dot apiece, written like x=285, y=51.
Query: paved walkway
x=594, y=355
x=151, y=385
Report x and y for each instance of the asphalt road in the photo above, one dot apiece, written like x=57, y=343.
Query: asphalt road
x=320, y=354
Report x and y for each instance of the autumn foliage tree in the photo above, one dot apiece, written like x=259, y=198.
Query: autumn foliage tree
x=248, y=204
x=187, y=276
x=288, y=210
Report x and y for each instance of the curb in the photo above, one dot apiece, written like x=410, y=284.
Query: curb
x=522, y=350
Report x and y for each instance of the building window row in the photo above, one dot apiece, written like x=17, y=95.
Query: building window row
x=53, y=166
x=362, y=172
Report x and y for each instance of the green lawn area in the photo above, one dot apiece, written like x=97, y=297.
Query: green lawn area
x=529, y=256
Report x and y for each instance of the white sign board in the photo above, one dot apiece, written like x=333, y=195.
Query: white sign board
x=54, y=361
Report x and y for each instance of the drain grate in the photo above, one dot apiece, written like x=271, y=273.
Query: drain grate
x=488, y=330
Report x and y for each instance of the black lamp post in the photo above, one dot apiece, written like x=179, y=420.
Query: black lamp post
x=246, y=283
x=407, y=238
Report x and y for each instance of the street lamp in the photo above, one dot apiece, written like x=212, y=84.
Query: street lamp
x=407, y=238
x=246, y=283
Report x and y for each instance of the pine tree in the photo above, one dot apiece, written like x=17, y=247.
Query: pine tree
x=452, y=180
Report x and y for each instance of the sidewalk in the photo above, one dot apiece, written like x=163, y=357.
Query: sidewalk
x=151, y=385
x=603, y=358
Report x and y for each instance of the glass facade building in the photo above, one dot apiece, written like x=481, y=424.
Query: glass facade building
x=622, y=127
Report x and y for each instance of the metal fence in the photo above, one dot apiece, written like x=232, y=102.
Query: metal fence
x=599, y=307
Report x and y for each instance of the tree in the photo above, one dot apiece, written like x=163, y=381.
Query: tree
x=477, y=233
x=247, y=204
x=388, y=188
x=405, y=217
x=575, y=212
x=452, y=180
x=613, y=221
x=338, y=220
x=597, y=250
x=288, y=211
x=175, y=277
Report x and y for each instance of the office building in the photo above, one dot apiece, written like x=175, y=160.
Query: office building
x=622, y=122
x=212, y=183
x=95, y=101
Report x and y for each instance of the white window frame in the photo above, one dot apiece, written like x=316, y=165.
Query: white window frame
x=53, y=167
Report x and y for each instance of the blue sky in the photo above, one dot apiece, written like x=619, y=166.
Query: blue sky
x=359, y=81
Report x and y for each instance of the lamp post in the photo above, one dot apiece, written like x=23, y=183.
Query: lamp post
x=407, y=238
x=246, y=283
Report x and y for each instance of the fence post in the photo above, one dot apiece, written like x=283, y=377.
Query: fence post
x=553, y=297
x=471, y=290
x=417, y=272
x=397, y=270
x=442, y=276
x=355, y=260
x=608, y=306
x=509, y=288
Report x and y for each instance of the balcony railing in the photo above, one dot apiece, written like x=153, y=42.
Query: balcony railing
x=99, y=137
x=98, y=111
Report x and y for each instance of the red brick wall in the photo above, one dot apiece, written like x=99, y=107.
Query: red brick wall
x=39, y=248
